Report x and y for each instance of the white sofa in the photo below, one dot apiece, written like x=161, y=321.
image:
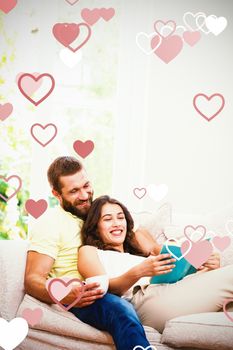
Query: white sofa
x=59, y=329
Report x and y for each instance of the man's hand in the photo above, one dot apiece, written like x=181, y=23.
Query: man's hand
x=90, y=294
x=212, y=263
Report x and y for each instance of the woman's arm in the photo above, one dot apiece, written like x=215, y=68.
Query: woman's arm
x=151, y=266
x=90, y=265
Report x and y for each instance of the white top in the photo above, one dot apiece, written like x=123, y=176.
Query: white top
x=116, y=264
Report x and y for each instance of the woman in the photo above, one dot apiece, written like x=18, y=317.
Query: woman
x=109, y=248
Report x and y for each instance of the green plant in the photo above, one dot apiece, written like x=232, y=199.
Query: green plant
x=13, y=222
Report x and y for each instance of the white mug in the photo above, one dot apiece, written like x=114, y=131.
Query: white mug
x=103, y=280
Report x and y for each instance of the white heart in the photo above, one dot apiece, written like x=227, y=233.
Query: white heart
x=70, y=58
x=143, y=41
x=147, y=348
x=202, y=25
x=12, y=333
x=216, y=24
x=158, y=192
x=174, y=255
x=194, y=16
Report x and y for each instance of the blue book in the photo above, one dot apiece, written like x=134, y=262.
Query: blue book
x=182, y=268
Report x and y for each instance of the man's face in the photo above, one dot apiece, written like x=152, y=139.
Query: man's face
x=76, y=194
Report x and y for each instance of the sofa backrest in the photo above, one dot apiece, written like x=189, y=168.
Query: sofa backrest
x=12, y=266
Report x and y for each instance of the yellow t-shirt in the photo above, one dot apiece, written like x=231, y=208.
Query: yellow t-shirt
x=57, y=234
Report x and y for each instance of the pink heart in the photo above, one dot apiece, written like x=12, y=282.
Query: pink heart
x=107, y=14
x=35, y=79
x=199, y=252
x=169, y=48
x=139, y=192
x=5, y=110
x=17, y=189
x=90, y=16
x=58, y=289
x=189, y=230
x=72, y=2
x=159, y=29
x=28, y=84
x=155, y=42
x=221, y=243
x=7, y=5
x=66, y=33
x=32, y=316
x=214, y=96
x=191, y=38
x=53, y=129
x=36, y=208
x=227, y=313
x=83, y=149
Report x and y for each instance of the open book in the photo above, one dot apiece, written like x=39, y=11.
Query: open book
x=182, y=268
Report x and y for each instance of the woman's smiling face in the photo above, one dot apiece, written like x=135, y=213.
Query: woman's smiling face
x=112, y=226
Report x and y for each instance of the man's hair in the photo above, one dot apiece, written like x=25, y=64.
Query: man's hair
x=62, y=166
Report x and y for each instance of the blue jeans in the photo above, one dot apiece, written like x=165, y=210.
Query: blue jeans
x=116, y=316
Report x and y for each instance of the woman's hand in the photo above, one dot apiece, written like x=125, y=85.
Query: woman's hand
x=155, y=265
x=212, y=263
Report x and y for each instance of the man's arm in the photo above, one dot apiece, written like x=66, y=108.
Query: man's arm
x=146, y=242
x=37, y=269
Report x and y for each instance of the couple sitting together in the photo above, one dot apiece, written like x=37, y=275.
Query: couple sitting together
x=82, y=238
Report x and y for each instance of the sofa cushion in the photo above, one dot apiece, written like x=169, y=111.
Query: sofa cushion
x=42, y=340
x=12, y=267
x=204, y=331
x=227, y=254
x=154, y=222
x=60, y=322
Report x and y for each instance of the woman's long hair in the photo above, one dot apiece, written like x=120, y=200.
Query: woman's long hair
x=90, y=234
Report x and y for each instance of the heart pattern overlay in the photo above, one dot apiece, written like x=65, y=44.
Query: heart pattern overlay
x=59, y=288
x=18, y=327
x=83, y=149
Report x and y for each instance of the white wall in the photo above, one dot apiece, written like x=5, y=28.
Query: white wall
x=159, y=137
x=163, y=139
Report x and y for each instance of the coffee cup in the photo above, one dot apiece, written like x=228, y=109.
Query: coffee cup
x=103, y=281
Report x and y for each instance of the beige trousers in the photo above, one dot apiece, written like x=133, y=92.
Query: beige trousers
x=197, y=293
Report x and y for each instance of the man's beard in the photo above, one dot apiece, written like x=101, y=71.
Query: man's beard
x=80, y=213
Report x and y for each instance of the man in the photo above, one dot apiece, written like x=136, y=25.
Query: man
x=55, y=239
